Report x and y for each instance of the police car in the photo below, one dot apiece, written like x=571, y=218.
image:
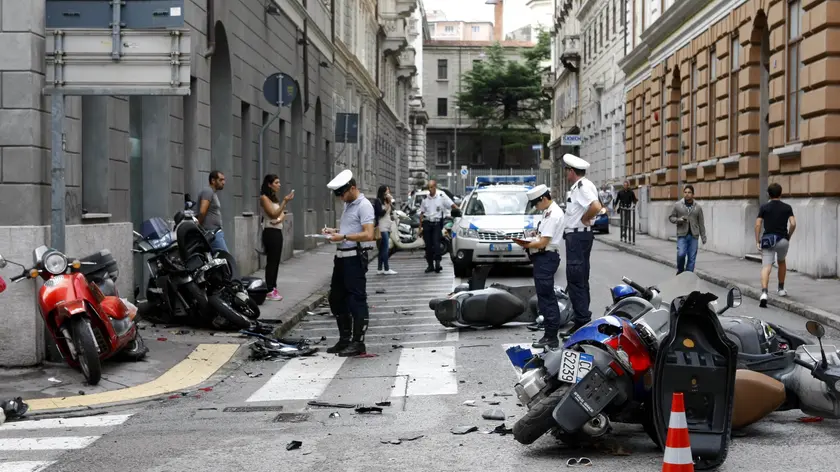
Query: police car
x=496, y=211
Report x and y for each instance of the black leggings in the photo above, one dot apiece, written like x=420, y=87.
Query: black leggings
x=272, y=240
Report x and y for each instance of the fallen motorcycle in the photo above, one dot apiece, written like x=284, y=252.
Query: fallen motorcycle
x=473, y=306
x=82, y=309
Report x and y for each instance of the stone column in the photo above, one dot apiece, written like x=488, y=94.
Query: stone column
x=95, y=154
x=156, y=133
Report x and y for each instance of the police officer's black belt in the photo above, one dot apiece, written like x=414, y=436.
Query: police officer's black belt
x=542, y=251
x=578, y=230
x=345, y=249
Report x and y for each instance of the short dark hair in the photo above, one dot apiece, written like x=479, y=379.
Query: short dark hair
x=774, y=190
x=689, y=187
x=351, y=182
x=214, y=175
x=579, y=172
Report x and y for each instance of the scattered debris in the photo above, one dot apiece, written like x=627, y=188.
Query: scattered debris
x=293, y=445
x=383, y=403
x=502, y=394
x=368, y=410
x=318, y=312
x=81, y=392
x=306, y=453
x=161, y=339
x=181, y=332
x=501, y=430
x=469, y=403
x=208, y=409
x=583, y=461
x=396, y=346
x=14, y=408
x=54, y=380
x=365, y=355
x=252, y=375
x=400, y=440
x=810, y=419
x=269, y=348
x=206, y=389
x=380, y=290
x=460, y=430
x=492, y=402
x=403, y=311
x=391, y=441
x=330, y=405
x=493, y=414
x=335, y=414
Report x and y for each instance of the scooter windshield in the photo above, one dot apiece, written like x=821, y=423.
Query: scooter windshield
x=38, y=254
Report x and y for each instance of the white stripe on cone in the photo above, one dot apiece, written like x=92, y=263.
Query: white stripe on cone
x=678, y=456
x=677, y=421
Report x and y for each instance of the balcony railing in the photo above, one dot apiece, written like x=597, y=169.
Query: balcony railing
x=570, y=47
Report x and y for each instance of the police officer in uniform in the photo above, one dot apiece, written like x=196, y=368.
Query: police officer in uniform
x=582, y=206
x=432, y=211
x=348, y=288
x=545, y=255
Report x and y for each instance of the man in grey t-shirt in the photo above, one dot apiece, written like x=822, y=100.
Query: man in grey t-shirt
x=210, y=211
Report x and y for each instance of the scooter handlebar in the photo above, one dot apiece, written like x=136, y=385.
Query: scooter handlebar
x=644, y=291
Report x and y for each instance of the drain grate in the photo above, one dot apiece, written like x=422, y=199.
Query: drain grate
x=251, y=409
x=291, y=418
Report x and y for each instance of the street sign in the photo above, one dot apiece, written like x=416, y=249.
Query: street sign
x=279, y=89
x=464, y=172
x=570, y=140
x=536, y=147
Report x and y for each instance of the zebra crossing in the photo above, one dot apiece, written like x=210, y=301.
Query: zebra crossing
x=35, y=445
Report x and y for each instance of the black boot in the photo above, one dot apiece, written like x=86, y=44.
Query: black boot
x=345, y=330
x=430, y=269
x=357, y=346
x=438, y=268
x=547, y=341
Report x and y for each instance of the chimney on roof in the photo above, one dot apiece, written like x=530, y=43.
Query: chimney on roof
x=498, y=24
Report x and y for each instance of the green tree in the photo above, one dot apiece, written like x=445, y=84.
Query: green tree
x=507, y=99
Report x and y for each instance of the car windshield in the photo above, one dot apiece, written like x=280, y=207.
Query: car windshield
x=499, y=203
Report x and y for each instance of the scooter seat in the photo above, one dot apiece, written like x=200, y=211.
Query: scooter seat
x=756, y=396
x=490, y=307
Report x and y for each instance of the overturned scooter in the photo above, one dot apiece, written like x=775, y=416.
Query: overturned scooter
x=473, y=306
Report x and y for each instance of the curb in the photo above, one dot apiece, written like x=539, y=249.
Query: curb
x=812, y=313
x=309, y=304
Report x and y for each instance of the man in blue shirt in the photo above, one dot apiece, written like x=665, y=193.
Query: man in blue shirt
x=348, y=287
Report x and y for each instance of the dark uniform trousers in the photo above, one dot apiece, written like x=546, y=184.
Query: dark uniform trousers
x=545, y=267
x=348, y=297
x=578, y=249
x=431, y=236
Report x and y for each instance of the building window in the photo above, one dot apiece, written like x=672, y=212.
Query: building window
x=735, y=67
x=443, y=152
x=616, y=16
x=710, y=120
x=449, y=29
x=663, y=123
x=476, y=29
x=794, y=68
x=443, y=69
x=695, y=81
x=608, y=21
x=443, y=107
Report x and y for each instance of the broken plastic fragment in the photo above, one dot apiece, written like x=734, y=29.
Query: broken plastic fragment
x=411, y=438
x=14, y=408
x=293, y=445
x=383, y=403
x=494, y=414
x=330, y=405
x=464, y=429
x=253, y=376
x=54, y=380
x=368, y=409
x=502, y=430
x=469, y=403
x=380, y=290
x=335, y=414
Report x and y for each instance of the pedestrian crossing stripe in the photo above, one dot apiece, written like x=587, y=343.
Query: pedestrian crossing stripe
x=25, y=466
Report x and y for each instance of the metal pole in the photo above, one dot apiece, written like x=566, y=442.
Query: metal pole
x=57, y=189
x=261, y=140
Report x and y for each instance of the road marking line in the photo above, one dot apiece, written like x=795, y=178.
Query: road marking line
x=426, y=371
x=46, y=444
x=25, y=466
x=203, y=362
x=407, y=343
x=403, y=317
x=405, y=333
x=373, y=326
x=300, y=379
x=452, y=335
x=85, y=422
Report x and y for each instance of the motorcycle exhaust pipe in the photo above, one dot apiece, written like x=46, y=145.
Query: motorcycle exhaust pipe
x=596, y=427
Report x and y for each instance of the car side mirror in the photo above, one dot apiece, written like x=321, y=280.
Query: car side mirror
x=733, y=298
x=3, y=263
x=456, y=213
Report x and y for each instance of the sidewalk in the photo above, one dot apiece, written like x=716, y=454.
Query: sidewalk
x=181, y=359
x=815, y=299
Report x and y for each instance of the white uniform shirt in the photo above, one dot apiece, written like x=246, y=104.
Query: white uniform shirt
x=551, y=225
x=434, y=208
x=582, y=194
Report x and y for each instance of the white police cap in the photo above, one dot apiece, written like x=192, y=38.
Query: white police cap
x=340, y=180
x=537, y=192
x=575, y=162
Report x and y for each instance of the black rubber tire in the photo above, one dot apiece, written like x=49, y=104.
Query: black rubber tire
x=250, y=309
x=86, y=352
x=462, y=270
x=135, y=351
x=223, y=309
x=538, y=420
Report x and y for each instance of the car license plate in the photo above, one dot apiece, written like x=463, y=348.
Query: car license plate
x=575, y=366
x=500, y=248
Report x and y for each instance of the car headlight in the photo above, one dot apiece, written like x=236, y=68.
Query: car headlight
x=469, y=233
x=55, y=263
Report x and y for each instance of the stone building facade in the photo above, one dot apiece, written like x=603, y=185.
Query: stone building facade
x=602, y=89
x=132, y=158
x=729, y=96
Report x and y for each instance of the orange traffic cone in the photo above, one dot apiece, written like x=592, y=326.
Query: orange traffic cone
x=677, y=450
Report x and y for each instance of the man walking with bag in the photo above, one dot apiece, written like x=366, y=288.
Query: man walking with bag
x=688, y=216
x=779, y=224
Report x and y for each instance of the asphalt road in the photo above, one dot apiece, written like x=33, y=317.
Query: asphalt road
x=427, y=377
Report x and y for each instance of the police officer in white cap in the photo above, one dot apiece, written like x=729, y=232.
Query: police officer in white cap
x=581, y=207
x=348, y=288
x=545, y=254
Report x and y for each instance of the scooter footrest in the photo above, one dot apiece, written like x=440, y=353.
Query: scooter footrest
x=447, y=311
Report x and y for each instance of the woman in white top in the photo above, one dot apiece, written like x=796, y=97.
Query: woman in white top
x=382, y=209
x=272, y=233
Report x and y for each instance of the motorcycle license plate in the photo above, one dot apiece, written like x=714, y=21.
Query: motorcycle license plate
x=500, y=248
x=574, y=367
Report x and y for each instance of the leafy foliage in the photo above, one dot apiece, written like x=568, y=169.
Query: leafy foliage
x=506, y=98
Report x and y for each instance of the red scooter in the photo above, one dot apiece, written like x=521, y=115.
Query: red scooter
x=82, y=309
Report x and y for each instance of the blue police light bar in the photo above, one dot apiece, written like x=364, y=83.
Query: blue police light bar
x=506, y=179
x=469, y=189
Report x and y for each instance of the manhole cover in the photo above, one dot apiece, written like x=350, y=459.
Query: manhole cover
x=291, y=418
x=251, y=409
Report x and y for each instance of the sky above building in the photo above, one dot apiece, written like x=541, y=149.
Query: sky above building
x=516, y=13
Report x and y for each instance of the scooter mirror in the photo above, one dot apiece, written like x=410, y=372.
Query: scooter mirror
x=2, y=262
x=733, y=298
x=815, y=329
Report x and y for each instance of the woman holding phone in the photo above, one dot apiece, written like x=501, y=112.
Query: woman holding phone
x=272, y=233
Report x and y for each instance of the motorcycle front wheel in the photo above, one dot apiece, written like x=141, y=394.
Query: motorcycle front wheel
x=538, y=420
x=224, y=309
x=86, y=352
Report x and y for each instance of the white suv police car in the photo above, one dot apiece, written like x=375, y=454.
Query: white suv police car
x=496, y=211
